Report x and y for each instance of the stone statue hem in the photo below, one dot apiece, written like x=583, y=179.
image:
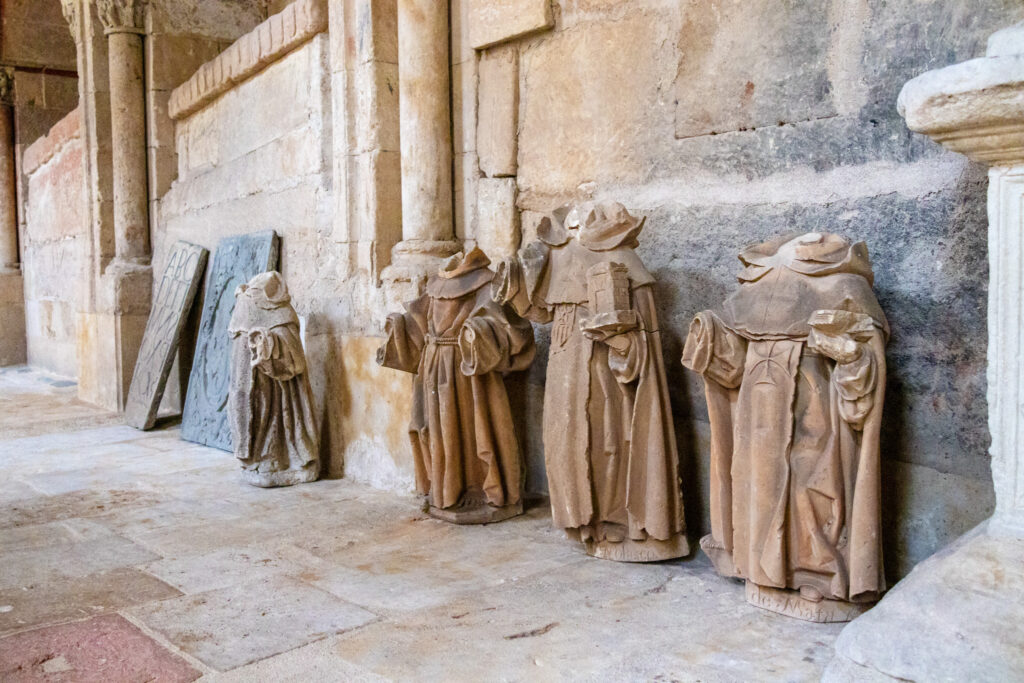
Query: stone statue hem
x=650, y=550
x=283, y=478
x=483, y=514
x=791, y=604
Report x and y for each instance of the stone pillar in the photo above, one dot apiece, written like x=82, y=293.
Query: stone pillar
x=951, y=618
x=123, y=25
x=12, y=303
x=426, y=142
x=8, y=194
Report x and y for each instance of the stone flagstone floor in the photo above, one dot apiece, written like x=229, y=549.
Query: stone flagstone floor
x=130, y=556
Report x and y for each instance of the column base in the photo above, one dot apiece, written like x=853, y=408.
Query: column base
x=955, y=617
x=13, y=348
x=412, y=262
x=110, y=337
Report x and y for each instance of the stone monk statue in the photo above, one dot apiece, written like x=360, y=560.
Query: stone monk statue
x=794, y=373
x=609, y=444
x=458, y=342
x=270, y=403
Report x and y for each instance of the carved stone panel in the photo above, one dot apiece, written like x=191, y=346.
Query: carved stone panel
x=174, y=295
x=236, y=261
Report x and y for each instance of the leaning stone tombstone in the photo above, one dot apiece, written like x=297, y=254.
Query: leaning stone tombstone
x=609, y=442
x=273, y=426
x=236, y=261
x=458, y=342
x=175, y=293
x=794, y=374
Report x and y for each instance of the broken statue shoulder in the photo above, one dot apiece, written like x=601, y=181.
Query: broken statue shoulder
x=794, y=372
x=458, y=343
x=609, y=442
x=270, y=403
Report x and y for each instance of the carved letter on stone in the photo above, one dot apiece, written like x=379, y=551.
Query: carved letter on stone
x=273, y=426
x=458, y=342
x=794, y=374
x=174, y=296
x=609, y=443
x=237, y=260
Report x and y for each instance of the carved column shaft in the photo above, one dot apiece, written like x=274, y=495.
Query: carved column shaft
x=8, y=194
x=425, y=126
x=122, y=20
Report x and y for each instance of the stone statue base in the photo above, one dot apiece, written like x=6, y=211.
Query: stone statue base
x=791, y=604
x=484, y=514
x=651, y=550
x=283, y=478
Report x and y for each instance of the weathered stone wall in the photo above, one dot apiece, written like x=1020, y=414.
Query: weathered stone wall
x=55, y=246
x=727, y=122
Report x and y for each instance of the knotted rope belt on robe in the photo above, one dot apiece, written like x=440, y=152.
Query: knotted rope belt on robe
x=442, y=341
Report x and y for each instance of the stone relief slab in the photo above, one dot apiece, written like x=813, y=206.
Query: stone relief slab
x=236, y=261
x=175, y=293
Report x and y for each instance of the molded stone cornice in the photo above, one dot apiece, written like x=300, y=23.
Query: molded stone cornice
x=976, y=107
x=122, y=16
x=71, y=10
x=295, y=25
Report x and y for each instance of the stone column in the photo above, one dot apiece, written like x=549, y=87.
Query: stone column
x=426, y=141
x=950, y=618
x=8, y=194
x=12, y=300
x=123, y=25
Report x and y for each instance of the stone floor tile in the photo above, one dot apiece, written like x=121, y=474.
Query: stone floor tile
x=206, y=571
x=314, y=663
x=75, y=598
x=42, y=509
x=103, y=649
x=234, y=626
x=55, y=562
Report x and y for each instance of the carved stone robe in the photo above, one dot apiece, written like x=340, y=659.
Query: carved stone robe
x=609, y=442
x=458, y=342
x=794, y=372
x=270, y=404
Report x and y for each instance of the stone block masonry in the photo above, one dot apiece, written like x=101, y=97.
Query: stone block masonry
x=268, y=42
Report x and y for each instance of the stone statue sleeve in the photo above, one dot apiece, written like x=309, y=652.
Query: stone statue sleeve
x=517, y=280
x=405, y=338
x=281, y=357
x=493, y=340
x=714, y=351
x=855, y=382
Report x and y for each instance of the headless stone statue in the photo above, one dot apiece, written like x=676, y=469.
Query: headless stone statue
x=270, y=404
x=458, y=342
x=794, y=373
x=609, y=443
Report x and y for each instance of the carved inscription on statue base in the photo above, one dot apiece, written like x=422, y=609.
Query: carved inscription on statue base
x=791, y=604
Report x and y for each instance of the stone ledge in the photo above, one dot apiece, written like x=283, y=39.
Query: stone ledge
x=250, y=54
x=45, y=148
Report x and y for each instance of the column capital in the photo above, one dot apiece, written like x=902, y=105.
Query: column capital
x=71, y=10
x=122, y=16
x=6, y=86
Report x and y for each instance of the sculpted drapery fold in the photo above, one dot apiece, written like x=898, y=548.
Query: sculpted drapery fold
x=794, y=370
x=609, y=444
x=458, y=342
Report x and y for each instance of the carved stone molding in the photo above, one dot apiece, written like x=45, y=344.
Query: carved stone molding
x=122, y=16
x=71, y=9
x=6, y=86
x=277, y=36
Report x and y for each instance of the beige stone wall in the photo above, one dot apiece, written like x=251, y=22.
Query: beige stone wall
x=55, y=246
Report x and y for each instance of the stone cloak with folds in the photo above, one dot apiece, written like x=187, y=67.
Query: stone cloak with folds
x=273, y=428
x=458, y=342
x=795, y=416
x=609, y=442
